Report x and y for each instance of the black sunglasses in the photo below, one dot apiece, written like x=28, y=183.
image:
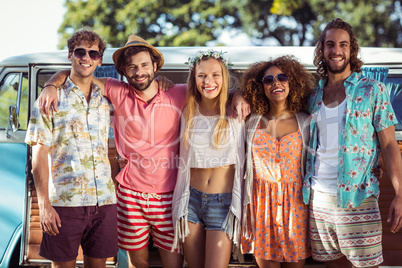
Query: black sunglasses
x=81, y=52
x=269, y=79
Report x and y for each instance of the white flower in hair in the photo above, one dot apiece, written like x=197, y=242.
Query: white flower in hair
x=192, y=62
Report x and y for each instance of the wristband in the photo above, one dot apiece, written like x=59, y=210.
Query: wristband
x=49, y=85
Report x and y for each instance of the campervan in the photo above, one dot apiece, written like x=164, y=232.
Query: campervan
x=22, y=78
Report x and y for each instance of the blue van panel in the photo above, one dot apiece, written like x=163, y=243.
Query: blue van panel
x=12, y=190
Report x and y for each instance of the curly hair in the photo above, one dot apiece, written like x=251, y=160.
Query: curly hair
x=355, y=62
x=125, y=57
x=301, y=83
x=86, y=34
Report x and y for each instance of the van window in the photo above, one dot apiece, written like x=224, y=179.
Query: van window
x=14, y=91
x=394, y=85
x=42, y=77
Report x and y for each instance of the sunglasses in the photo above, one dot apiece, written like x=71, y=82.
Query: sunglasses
x=81, y=52
x=269, y=79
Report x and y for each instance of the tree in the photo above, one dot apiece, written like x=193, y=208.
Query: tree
x=266, y=22
x=161, y=23
x=375, y=23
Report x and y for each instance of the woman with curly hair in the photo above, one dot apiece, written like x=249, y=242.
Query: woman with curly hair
x=274, y=226
x=207, y=197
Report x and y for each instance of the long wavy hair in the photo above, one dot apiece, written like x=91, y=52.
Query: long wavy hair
x=301, y=83
x=355, y=62
x=194, y=99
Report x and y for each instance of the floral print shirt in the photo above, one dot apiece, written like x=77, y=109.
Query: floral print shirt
x=368, y=110
x=77, y=136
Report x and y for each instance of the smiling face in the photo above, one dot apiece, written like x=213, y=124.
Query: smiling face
x=209, y=78
x=140, y=72
x=84, y=66
x=276, y=92
x=337, y=51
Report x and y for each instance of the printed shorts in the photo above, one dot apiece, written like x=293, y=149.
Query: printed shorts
x=353, y=232
x=208, y=209
x=141, y=214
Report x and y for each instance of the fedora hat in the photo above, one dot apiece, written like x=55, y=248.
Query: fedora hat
x=134, y=40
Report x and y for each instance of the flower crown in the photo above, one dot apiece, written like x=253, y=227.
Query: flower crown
x=192, y=61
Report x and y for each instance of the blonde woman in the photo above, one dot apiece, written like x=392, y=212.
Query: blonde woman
x=207, y=196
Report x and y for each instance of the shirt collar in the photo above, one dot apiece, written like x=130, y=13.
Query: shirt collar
x=352, y=79
x=157, y=98
x=69, y=86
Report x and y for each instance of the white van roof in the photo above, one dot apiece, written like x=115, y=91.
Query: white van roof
x=241, y=57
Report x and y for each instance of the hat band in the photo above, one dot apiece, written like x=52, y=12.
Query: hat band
x=136, y=42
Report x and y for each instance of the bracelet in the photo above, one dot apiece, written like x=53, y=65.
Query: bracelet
x=49, y=85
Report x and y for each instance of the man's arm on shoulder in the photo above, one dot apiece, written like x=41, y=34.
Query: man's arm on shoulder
x=49, y=219
x=48, y=97
x=181, y=94
x=393, y=164
x=101, y=83
x=239, y=107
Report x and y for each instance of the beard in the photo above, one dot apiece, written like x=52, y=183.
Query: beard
x=143, y=85
x=337, y=70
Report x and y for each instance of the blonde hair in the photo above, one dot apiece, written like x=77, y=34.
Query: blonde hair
x=194, y=98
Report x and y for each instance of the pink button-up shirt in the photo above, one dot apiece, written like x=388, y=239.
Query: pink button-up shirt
x=147, y=135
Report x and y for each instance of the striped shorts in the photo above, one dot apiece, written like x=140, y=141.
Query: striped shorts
x=336, y=232
x=139, y=214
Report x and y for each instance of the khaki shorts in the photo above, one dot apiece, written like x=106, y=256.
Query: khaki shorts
x=336, y=232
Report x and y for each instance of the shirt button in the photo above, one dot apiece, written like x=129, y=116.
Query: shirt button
x=277, y=160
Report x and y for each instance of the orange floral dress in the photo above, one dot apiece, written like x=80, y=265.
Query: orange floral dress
x=280, y=217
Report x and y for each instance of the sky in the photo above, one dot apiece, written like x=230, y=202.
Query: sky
x=29, y=26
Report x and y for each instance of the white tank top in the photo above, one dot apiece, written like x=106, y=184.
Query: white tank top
x=203, y=153
x=329, y=122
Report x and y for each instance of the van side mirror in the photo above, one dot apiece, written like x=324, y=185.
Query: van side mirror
x=12, y=120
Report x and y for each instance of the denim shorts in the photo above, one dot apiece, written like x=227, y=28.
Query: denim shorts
x=208, y=209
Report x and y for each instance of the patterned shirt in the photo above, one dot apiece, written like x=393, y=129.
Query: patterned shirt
x=368, y=111
x=77, y=136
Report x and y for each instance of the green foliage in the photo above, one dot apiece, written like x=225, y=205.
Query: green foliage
x=285, y=7
x=195, y=22
x=375, y=23
x=161, y=23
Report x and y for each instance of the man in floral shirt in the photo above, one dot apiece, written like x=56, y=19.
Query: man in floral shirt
x=351, y=120
x=76, y=194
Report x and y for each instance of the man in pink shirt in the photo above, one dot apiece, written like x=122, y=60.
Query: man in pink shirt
x=146, y=129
